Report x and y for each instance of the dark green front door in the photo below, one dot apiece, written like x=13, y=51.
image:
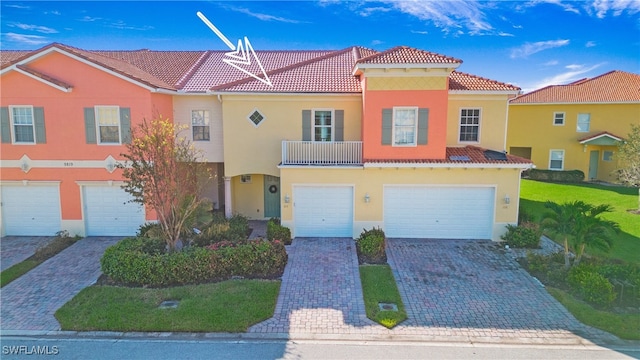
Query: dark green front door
x=271, y=196
x=594, y=157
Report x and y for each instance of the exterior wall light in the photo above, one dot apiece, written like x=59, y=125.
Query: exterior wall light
x=367, y=198
x=287, y=199
x=507, y=199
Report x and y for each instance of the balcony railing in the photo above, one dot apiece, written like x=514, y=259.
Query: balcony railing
x=321, y=153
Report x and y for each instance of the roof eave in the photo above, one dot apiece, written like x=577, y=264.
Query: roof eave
x=447, y=165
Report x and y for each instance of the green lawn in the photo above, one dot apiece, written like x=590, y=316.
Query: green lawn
x=17, y=270
x=625, y=326
x=626, y=247
x=379, y=286
x=229, y=306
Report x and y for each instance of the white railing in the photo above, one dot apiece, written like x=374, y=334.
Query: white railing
x=321, y=153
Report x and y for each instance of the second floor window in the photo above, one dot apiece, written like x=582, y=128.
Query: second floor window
x=322, y=125
x=200, y=125
x=584, y=122
x=405, y=121
x=108, y=124
x=23, y=127
x=558, y=118
x=469, y=125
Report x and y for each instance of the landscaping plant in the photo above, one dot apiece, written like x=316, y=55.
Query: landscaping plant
x=526, y=235
x=371, y=247
x=275, y=231
x=629, y=160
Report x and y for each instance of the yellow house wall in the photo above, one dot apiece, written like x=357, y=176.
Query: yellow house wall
x=248, y=198
x=250, y=149
x=493, y=118
x=212, y=150
x=372, y=180
x=532, y=126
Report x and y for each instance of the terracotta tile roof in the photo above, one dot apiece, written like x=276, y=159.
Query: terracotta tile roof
x=407, y=55
x=45, y=77
x=168, y=66
x=330, y=73
x=614, y=86
x=600, y=134
x=463, y=81
x=462, y=155
x=8, y=57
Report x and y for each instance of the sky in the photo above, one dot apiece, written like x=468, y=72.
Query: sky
x=530, y=44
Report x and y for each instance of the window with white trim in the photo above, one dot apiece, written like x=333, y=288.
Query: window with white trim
x=558, y=118
x=322, y=125
x=108, y=124
x=256, y=117
x=469, y=125
x=22, y=123
x=607, y=155
x=405, y=123
x=556, y=159
x=200, y=125
x=584, y=123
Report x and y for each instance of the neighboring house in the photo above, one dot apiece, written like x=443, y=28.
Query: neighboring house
x=344, y=140
x=576, y=126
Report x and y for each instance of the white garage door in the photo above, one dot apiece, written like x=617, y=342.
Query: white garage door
x=323, y=211
x=438, y=212
x=108, y=212
x=32, y=210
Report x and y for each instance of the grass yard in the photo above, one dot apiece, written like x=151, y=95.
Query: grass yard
x=17, y=270
x=623, y=326
x=379, y=286
x=229, y=306
x=534, y=194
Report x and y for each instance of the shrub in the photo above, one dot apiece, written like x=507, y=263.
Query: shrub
x=234, y=229
x=48, y=250
x=526, y=235
x=275, y=231
x=128, y=262
x=371, y=247
x=590, y=285
x=569, y=176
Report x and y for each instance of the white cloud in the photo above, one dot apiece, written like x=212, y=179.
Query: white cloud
x=590, y=44
x=531, y=48
x=420, y=32
x=601, y=8
x=123, y=26
x=566, y=5
x=575, y=72
x=502, y=33
x=370, y=10
x=377, y=42
x=551, y=63
x=89, y=19
x=452, y=14
x=574, y=67
x=54, y=12
x=16, y=6
x=261, y=16
x=36, y=28
x=26, y=39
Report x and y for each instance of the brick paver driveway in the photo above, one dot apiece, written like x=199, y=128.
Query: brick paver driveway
x=29, y=302
x=15, y=249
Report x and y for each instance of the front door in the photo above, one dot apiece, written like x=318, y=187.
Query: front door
x=271, y=196
x=594, y=156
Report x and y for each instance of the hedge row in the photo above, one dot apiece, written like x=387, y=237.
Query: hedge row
x=570, y=176
x=275, y=231
x=129, y=263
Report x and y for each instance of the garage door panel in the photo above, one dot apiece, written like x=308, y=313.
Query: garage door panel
x=31, y=210
x=108, y=212
x=438, y=212
x=323, y=211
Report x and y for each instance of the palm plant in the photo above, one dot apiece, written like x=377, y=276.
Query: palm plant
x=561, y=221
x=592, y=231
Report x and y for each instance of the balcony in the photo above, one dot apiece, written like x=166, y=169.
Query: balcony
x=321, y=153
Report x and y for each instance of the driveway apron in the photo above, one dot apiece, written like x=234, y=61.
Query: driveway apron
x=320, y=291
x=29, y=302
x=15, y=249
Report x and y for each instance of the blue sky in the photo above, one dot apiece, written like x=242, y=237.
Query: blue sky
x=527, y=43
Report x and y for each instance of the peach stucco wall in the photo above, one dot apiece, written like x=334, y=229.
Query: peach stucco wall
x=64, y=123
x=375, y=101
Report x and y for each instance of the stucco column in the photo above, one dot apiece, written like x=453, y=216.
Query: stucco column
x=228, y=210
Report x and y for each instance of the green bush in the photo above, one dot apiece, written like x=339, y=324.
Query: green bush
x=371, y=247
x=128, y=263
x=234, y=229
x=527, y=235
x=569, y=176
x=275, y=231
x=591, y=286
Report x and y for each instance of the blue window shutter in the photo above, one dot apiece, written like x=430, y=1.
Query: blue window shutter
x=125, y=125
x=387, y=126
x=90, y=125
x=339, y=125
x=306, y=125
x=38, y=120
x=5, y=126
x=423, y=126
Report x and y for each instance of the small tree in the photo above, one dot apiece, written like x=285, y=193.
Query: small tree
x=629, y=160
x=592, y=231
x=561, y=221
x=166, y=173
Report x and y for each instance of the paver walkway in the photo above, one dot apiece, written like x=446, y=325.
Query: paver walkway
x=29, y=302
x=15, y=249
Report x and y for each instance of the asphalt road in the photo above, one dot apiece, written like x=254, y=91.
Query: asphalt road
x=16, y=347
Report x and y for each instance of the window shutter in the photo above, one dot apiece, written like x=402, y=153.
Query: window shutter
x=38, y=120
x=125, y=125
x=306, y=125
x=339, y=125
x=387, y=126
x=423, y=126
x=90, y=125
x=5, y=126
